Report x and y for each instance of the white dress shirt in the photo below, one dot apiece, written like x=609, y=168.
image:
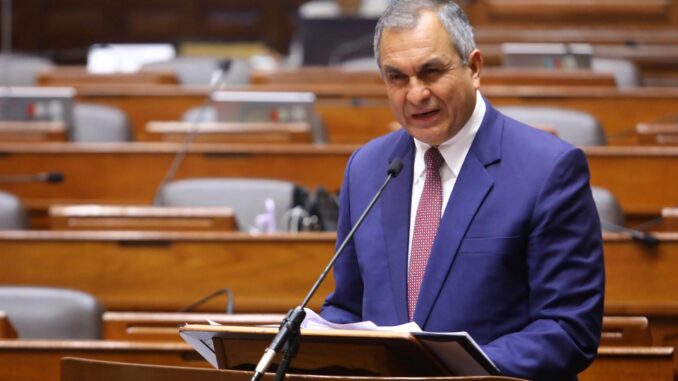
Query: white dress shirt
x=454, y=152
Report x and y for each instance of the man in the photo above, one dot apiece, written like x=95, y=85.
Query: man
x=502, y=241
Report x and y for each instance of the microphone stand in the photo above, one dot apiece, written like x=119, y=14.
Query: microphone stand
x=289, y=330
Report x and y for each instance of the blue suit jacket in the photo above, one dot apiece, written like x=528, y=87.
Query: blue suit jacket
x=517, y=261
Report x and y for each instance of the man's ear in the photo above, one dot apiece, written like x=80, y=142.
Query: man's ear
x=475, y=63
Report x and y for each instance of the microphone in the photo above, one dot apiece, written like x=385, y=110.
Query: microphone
x=220, y=76
x=289, y=327
x=647, y=239
x=42, y=177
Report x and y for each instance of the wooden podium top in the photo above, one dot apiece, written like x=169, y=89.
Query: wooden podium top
x=344, y=352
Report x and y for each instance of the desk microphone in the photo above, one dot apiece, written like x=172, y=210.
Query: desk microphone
x=42, y=177
x=217, y=81
x=288, y=333
x=647, y=239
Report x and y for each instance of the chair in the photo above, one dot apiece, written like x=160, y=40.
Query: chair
x=624, y=71
x=21, y=70
x=609, y=209
x=247, y=197
x=199, y=71
x=52, y=313
x=12, y=214
x=575, y=127
x=99, y=123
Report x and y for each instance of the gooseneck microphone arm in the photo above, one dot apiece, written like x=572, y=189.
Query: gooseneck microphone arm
x=288, y=333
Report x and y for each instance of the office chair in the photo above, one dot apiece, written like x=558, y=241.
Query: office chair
x=12, y=214
x=575, y=127
x=99, y=123
x=625, y=72
x=21, y=70
x=247, y=197
x=609, y=209
x=52, y=313
x=200, y=71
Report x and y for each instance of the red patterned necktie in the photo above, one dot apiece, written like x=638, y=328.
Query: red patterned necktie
x=425, y=226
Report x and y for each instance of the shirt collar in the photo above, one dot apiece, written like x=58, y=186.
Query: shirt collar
x=453, y=150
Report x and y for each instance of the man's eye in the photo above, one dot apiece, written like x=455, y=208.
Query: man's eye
x=397, y=78
x=432, y=73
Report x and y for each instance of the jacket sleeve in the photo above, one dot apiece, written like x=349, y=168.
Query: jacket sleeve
x=566, y=279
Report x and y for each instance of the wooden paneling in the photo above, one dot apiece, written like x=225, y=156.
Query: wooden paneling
x=135, y=271
x=166, y=271
x=642, y=178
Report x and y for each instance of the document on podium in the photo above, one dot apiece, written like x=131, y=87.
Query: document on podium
x=456, y=350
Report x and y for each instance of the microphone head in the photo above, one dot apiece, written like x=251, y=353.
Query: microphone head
x=54, y=177
x=395, y=167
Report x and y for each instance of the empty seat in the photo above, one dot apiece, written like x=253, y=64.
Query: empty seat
x=609, y=209
x=247, y=197
x=99, y=123
x=200, y=71
x=624, y=71
x=21, y=70
x=52, y=313
x=576, y=127
x=12, y=214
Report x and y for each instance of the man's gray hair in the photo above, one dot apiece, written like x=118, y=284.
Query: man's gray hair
x=404, y=14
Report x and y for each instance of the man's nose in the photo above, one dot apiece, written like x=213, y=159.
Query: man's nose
x=418, y=92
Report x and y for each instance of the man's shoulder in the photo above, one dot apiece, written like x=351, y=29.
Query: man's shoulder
x=522, y=139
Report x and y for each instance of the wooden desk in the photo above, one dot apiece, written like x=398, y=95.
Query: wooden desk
x=153, y=218
x=657, y=133
x=221, y=132
x=640, y=177
x=164, y=326
x=625, y=331
x=355, y=114
x=165, y=271
x=144, y=271
x=78, y=75
x=24, y=132
x=31, y=360
x=631, y=364
x=490, y=76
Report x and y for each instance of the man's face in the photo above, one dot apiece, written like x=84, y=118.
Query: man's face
x=430, y=91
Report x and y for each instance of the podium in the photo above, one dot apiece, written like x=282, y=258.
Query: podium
x=344, y=353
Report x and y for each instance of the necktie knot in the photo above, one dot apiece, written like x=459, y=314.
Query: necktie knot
x=433, y=159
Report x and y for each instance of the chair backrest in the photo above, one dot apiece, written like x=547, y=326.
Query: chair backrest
x=12, y=214
x=625, y=72
x=609, y=209
x=99, y=123
x=51, y=313
x=199, y=71
x=21, y=70
x=247, y=197
x=575, y=127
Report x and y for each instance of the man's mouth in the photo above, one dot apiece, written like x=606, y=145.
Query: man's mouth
x=425, y=115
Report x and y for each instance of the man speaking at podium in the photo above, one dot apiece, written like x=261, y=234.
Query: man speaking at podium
x=490, y=228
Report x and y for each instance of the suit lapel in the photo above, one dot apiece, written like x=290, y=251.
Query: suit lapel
x=473, y=184
x=396, y=220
